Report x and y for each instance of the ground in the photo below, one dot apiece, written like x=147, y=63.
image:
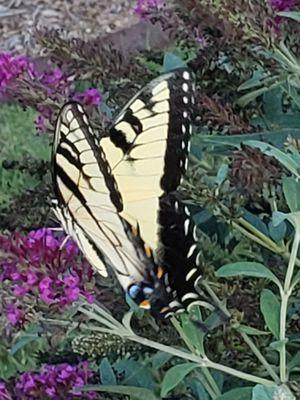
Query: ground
x=84, y=18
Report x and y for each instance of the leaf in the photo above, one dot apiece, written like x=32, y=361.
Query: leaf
x=279, y=344
x=25, y=340
x=160, y=359
x=256, y=222
x=254, y=81
x=261, y=392
x=278, y=217
x=198, y=389
x=277, y=232
x=172, y=61
x=222, y=174
x=135, y=374
x=202, y=217
x=294, y=363
x=175, y=375
x=246, y=268
x=251, y=331
x=290, y=14
x=270, y=308
x=286, y=160
x=244, y=393
x=291, y=190
x=193, y=332
x=107, y=375
x=139, y=393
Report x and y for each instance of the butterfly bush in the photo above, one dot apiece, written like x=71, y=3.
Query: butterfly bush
x=34, y=268
x=283, y=5
x=42, y=87
x=144, y=7
x=56, y=382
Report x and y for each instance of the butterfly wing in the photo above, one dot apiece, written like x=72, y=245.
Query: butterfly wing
x=88, y=202
x=148, y=146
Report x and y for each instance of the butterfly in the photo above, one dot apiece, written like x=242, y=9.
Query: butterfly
x=117, y=197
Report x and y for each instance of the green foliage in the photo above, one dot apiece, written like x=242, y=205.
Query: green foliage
x=20, y=149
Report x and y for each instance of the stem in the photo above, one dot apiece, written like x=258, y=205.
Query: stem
x=260, y=357
x=285, y=294
x=215, y=298
x=208, y=378
x=201, y=361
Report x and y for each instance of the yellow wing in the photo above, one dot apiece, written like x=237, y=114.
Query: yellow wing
x=148, y=146
x=88, y=201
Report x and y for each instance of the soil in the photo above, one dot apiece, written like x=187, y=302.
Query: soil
x=83, y=18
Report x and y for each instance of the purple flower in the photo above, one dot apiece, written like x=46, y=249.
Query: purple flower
x=32, y=278
x=40, y=123
x=4, y=395
x=90, y=97
x=11, y=67
x=20, y=291
x=71, y=281
x=13, y=314
x=143, y=7
x=282, y=5
x=55, y=381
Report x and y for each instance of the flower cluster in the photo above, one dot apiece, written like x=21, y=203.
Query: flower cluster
x=35, y=85
x=282, y=5
x=143, y=7
x=38, y=266
x=61, y=381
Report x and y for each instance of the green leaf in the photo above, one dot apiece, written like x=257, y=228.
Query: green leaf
x=175, y=375
x=291, y=190
x=25, y=340
x=192, y=330
x=244, y=393
x=254, y=81
x=290, y=14
x=261, y=392
x=135, y=374
x=294, y=363
x=172, y=61
x=277, y=232
x=137, y=392
x=279, y=344
x=160, y=359
x=246, y=268
x=256, y=222
x=270, y=308
x=107, y=375
x=278, y=217
x=286, y=160
x=198, y=389
x=251, y=331
x=222, y=174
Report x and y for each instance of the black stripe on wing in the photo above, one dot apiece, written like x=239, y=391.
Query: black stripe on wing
x=178, y=252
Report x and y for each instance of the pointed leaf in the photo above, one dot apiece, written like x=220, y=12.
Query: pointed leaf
x=160, y=359
x=261, y=392
x=244, y=393
x=175, y=375
x=251, y=331
x=107, y=375
x=246, y=268
x=290, y=14
x=172, y=61
x=139, y=393
x=291, y=190
x=270, y=308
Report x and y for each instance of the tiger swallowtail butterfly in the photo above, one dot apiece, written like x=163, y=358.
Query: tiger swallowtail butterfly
x=117, y=198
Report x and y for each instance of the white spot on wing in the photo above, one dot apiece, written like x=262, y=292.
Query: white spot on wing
x=187, y=211
x=189, y=296
x=185, y=114
x=185, y=99
x=183, y=128
x=186, y=226
x=186, y=75
x=191, y=250
x=190, y=274
x=185, y=87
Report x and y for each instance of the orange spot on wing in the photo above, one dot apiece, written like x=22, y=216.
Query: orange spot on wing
x=145, y=304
